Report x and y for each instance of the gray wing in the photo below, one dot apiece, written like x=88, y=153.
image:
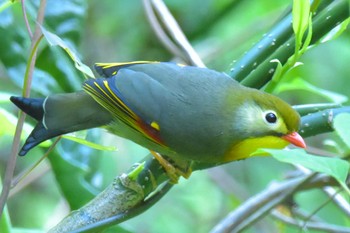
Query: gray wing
x=186, y=102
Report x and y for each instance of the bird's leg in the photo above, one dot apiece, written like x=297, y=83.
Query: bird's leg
x=174, y=171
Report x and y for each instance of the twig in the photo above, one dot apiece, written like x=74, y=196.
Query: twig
x=24, y=174
x=310, y=225
x=157, y=28
x=339, y=200
x=176, y=33
x=258, y=206
x=34, y=176
x=26, y=18
x=11, y=163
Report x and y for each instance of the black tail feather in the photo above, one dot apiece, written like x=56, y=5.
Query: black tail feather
x=38, y=135
x=60, y=114
x=32, y=106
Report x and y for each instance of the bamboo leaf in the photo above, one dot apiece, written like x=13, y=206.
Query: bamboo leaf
x=336, y=32
x=54, y=40
x=300, y=84
x=89, y=143
x=301, y=12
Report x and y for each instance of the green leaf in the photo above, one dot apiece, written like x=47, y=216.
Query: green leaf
x=334, y=167
x=341, y=125
x=89, y=144
x=6, y=4
x=300, y=84
x=336, y=32
x=136, y=171
x=301, y=12
x=54, y=40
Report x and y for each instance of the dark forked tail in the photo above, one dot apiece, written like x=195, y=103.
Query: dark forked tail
x=34, y=107
x=59, y=114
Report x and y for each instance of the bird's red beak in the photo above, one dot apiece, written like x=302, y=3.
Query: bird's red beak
x=295, y=139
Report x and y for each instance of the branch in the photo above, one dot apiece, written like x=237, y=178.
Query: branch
x=333, y=194
x=26, y=19
x=160, y=33
x=309, y=225
x=320, y=122
x=129, y=195
x=261, y=204
x=11, y=163
x=180, y=46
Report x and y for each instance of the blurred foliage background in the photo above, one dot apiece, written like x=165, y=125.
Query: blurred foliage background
x=115, y=31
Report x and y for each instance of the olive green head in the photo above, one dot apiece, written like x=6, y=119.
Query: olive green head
x=261, y=114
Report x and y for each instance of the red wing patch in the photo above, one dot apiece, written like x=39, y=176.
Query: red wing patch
x=111, y=99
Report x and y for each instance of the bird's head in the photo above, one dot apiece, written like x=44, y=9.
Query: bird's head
x=266, y=121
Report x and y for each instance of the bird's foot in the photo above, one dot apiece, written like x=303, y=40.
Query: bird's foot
x=174, y=171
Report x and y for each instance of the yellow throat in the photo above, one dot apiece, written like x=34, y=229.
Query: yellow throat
x=245, y=148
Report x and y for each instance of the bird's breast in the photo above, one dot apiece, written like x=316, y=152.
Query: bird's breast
x=245, y=148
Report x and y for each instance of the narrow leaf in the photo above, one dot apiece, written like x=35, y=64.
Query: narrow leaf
x=89, y=144
x=301, y=11
x=342, y=127
x=336, y=32
x=54, y=40
x=300, y=84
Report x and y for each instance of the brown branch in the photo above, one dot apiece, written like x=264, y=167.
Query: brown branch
x=174, y=31
x=26, y=18
x=321, y=226
x=160, y=33
x=261, y=204
x=11, y=163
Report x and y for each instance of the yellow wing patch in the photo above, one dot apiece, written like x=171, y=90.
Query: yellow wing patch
x=101, y=91
x=111, y=69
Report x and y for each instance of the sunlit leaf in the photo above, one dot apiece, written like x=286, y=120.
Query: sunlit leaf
x=301, y=11
x=89, y=144
x=342, y=127
x=54, y=40
x=334, y=167
x=278, y=70
x=336, y=32
x=300, y=84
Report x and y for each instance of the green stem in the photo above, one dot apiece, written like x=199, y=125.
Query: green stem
x=11, y=163
x=320, y=122
x=5, y=223
x=6, y=4
x=306, y=109
x=30, y=68
x=328, y=17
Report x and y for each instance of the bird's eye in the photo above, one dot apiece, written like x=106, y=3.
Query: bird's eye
x=271, y=117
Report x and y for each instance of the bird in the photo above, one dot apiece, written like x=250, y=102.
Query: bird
x=187, y=113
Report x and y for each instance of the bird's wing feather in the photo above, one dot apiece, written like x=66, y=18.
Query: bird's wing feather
x=177, y=106
x=110, y=69
x=108, y=95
